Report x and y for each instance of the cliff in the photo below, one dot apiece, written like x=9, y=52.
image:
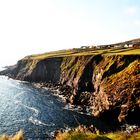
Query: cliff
x=106, y=81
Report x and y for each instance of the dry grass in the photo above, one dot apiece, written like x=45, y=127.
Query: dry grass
x=80, y=136
x=92, y=136
x=17, y=136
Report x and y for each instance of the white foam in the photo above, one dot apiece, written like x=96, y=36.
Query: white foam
x=38, y=122
x=17, y=102
x=17, y=95
x=36, y=111
x=32, y=109
x=69, y=107
x=19, y=121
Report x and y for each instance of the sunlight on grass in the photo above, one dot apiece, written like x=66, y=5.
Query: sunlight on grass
x=82, y=52
x=92, y=136
x=80, y=136
x=17, y=136
x=76, y=135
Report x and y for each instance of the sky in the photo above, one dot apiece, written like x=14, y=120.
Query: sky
x=37, y=26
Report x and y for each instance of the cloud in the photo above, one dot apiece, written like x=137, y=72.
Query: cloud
x=131, y=10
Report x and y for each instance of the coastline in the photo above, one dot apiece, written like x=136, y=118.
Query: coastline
x=56, y=91
x=123, y=128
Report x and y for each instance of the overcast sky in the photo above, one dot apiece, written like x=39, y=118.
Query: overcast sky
x=36, y=26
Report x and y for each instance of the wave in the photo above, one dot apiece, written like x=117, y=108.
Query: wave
x=20, y=93
x=17, y=102
x=33, y=118
x=78, y=109
x=18, y=121
x=36, y=111
x=38, y=122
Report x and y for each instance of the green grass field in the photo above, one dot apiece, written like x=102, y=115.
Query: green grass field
x=82, y=52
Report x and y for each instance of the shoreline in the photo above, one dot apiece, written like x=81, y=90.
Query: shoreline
x=125, y=127
x=55, y=90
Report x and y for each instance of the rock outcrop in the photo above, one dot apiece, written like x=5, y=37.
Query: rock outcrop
x=109, y=84
x=47, y=70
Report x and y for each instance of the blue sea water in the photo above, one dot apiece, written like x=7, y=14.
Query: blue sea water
x=36, y=111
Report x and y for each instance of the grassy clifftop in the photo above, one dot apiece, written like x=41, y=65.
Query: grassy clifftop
x=131, y=47
x=87, y=51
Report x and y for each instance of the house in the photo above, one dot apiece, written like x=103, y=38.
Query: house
x=85, y=47
x=116, y=46
x=130, y=45
x=126, y=46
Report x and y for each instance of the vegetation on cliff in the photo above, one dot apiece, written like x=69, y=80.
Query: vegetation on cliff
x=17, y=136
x=83, y=52
x=90, y=133
x=77, y=135
x=92, y=136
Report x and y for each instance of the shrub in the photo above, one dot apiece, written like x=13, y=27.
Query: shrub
x=17, y=136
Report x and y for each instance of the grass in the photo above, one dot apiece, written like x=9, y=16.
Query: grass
x=82, y=52
x=80, y=136
x=74, y=135
x=123, y=136
x=17, y=136
x=92, y=136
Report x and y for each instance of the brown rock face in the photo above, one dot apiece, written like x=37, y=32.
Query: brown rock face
x=47, y=70
x=110, y=85
x=117, y=86
x=77, y=72
x=112, y=81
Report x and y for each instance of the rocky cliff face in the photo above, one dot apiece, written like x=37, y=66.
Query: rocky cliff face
x=47, y=70
x=112, y=83
x=117, y=87
x=109, y=84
